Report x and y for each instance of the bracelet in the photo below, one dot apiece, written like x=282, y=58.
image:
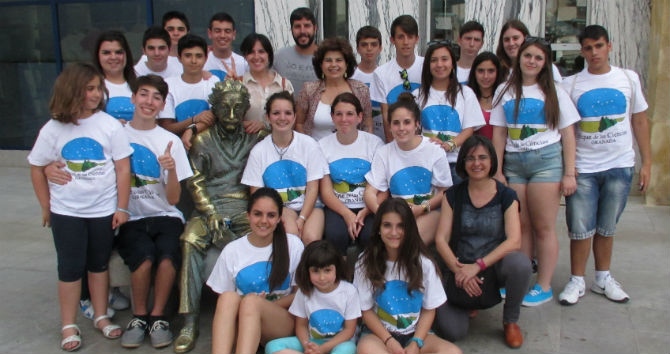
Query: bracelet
x=387, y=339
x=481, y=264
x=418, y=341
x=193, y=128
x=123, y=210
x=426, y=206
x=302, y=217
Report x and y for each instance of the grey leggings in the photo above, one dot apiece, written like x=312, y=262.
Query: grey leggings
x=513, y=271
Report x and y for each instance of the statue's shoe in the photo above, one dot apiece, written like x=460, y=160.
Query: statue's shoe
x=185, y=342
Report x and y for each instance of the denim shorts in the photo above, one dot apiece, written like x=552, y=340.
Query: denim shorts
x=535, y=166
x=598, y=202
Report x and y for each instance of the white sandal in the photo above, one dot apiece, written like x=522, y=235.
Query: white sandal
x=72, y=338
x=108, y=329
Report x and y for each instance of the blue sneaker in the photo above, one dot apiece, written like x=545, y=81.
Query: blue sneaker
x=536, y=296
x=503, y=293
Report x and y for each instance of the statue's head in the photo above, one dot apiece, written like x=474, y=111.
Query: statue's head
x=230, y=102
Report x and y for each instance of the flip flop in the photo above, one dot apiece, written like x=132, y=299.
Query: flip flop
x=108, y=329
x=72, y=338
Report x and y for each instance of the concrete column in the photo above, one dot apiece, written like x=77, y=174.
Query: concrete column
x=659, y=103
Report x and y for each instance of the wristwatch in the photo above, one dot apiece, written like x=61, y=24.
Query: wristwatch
x=418, y=341
x=194, y=128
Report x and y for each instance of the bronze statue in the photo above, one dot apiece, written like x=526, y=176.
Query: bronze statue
x=218, y=156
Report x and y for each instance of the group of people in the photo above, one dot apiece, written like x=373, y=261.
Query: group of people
x=286, y=160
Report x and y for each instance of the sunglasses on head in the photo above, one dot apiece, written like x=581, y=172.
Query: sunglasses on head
x=453, y=46
x=540, y=40
x=405, y=79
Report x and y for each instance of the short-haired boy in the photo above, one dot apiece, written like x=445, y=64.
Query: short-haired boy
x=156, y=49
x=369, y=46
x=223, y=62
x=471, y=40
x=150, y=239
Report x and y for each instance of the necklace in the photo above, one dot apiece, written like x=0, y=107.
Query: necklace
x=486, y=97
x=282, y=150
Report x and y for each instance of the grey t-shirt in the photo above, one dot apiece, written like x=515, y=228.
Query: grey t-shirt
x=295, y=67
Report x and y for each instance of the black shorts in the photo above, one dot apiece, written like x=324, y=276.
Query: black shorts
x=82, y=244
x=153, y=239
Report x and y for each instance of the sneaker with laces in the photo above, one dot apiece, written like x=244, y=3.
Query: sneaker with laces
x=87, y=309
x=536, y=296
x=117, y=300
x=611, y=289
x=134, y=334
x=160, y=334
x=573, y=290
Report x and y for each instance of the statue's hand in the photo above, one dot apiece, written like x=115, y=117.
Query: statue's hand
x=214, y=223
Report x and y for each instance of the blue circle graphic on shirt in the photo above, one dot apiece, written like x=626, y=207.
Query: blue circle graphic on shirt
x=285, y=174
x=392, y=96
x=255, y=279
x=190, y=108
x=531, y=111
x=398, y=307
x=219, y=73
x=325, y=323
x=441, y=118
x=83, y=149
x=349, y=169
x=601, y=102
x=144, y=162
x=120, y=107
x=410, y=181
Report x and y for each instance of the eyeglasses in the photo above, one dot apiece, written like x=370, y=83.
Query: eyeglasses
x=405, y=79
x=480, y=158
x=453, y=47
x=540, y=40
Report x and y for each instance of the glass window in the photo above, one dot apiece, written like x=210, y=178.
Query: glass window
x=335, y=25
x=199, y=12
x=446, y=20
x=564, y=19
x=27, y=71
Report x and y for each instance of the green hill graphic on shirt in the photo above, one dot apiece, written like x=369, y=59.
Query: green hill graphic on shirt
x=599, y=126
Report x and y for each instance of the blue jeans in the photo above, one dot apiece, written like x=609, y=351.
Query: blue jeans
x=598, y=202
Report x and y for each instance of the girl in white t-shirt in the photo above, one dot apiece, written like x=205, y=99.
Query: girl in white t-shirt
x=410, y=167
x=254, y=277
x=114, y=59
x=326, y=306
x=349, y=152
x=533, y=130
x=292, y=163
x=84, y=212
x=398, y=287
x=450, y=112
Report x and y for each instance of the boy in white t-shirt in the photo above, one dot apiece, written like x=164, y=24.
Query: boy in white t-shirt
x=222, y=61
x=156, y=49
x=369, y=46
x=403, y=74
x=471, y=40
x=612, y=110
x=150, y=239
x=187, y=110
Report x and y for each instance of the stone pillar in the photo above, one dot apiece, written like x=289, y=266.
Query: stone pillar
x=659, y=103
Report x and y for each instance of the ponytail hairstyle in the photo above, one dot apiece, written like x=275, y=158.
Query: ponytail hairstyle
x=280, y=255
x=318, y=254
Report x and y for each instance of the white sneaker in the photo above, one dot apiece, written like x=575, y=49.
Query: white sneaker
x=87, y=309
x=117, y=300
x=573, y=290
x=611, y=289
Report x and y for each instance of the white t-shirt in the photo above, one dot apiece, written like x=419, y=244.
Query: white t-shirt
x=399, y=311
x=323, y=122
x=185, y=100
x=412, y=175
x=215, y=65
x=245, y=268
x=174, y=68
x=377, y=118
x=387, y=83
x=439, y=119
x=348, y=165
x=462, y=75
x=148, y=196
x=604, y=133
x=302, y=162
x=327, y=312
x=530, y=131
x=118, y=102
x=88, y=150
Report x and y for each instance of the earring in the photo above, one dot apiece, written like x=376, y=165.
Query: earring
x=323, y=76
x=345, y=75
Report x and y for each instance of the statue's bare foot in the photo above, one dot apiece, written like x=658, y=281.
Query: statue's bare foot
x=185, y=342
